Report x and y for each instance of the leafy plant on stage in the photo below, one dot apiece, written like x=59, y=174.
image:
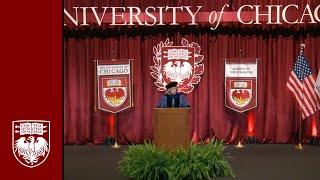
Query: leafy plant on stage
x=146, y=162
x=200, y=161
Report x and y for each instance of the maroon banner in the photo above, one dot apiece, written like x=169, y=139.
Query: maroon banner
x=241, y=84
x=157, y=15
x=114, y=85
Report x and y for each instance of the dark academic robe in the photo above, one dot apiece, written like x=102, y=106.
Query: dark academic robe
x=169, y=101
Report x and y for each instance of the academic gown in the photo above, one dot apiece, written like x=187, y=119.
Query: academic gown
x=177, y=100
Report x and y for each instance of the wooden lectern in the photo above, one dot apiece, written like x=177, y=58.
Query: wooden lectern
x=171, y=127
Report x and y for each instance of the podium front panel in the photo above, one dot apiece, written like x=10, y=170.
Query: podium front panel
x=171, y=127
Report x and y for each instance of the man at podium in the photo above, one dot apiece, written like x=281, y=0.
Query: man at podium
x=172, y=99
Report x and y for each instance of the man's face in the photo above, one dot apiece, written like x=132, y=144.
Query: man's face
x=173, y=90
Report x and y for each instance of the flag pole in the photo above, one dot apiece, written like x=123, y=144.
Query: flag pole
x=115, y=115
x=239, y=145
x=116, y=146
x=95, y=85
x=299, y=146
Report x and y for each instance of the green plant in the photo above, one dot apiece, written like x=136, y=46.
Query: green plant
x=146, y=162
x=200, y=161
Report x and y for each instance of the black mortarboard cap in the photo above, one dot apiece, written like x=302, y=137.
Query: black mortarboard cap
x=171, y=84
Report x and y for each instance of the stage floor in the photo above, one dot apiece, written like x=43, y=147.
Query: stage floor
x=257, y=162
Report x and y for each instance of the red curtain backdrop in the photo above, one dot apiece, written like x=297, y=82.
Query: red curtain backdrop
x=276, y=119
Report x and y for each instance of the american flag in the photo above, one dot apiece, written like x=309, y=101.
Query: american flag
x=317, y=84
x=301, y=83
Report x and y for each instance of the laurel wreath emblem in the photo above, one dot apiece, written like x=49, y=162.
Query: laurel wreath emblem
x=156, y=72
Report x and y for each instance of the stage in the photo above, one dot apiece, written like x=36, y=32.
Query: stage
x=188, y=71
x=260, y=161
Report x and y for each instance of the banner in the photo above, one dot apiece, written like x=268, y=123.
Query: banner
x=241, y=84
x=114, y=85
x=182, y=64
x=317, y=85
x=248, y=14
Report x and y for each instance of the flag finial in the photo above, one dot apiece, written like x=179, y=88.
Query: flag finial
x=302, y=46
